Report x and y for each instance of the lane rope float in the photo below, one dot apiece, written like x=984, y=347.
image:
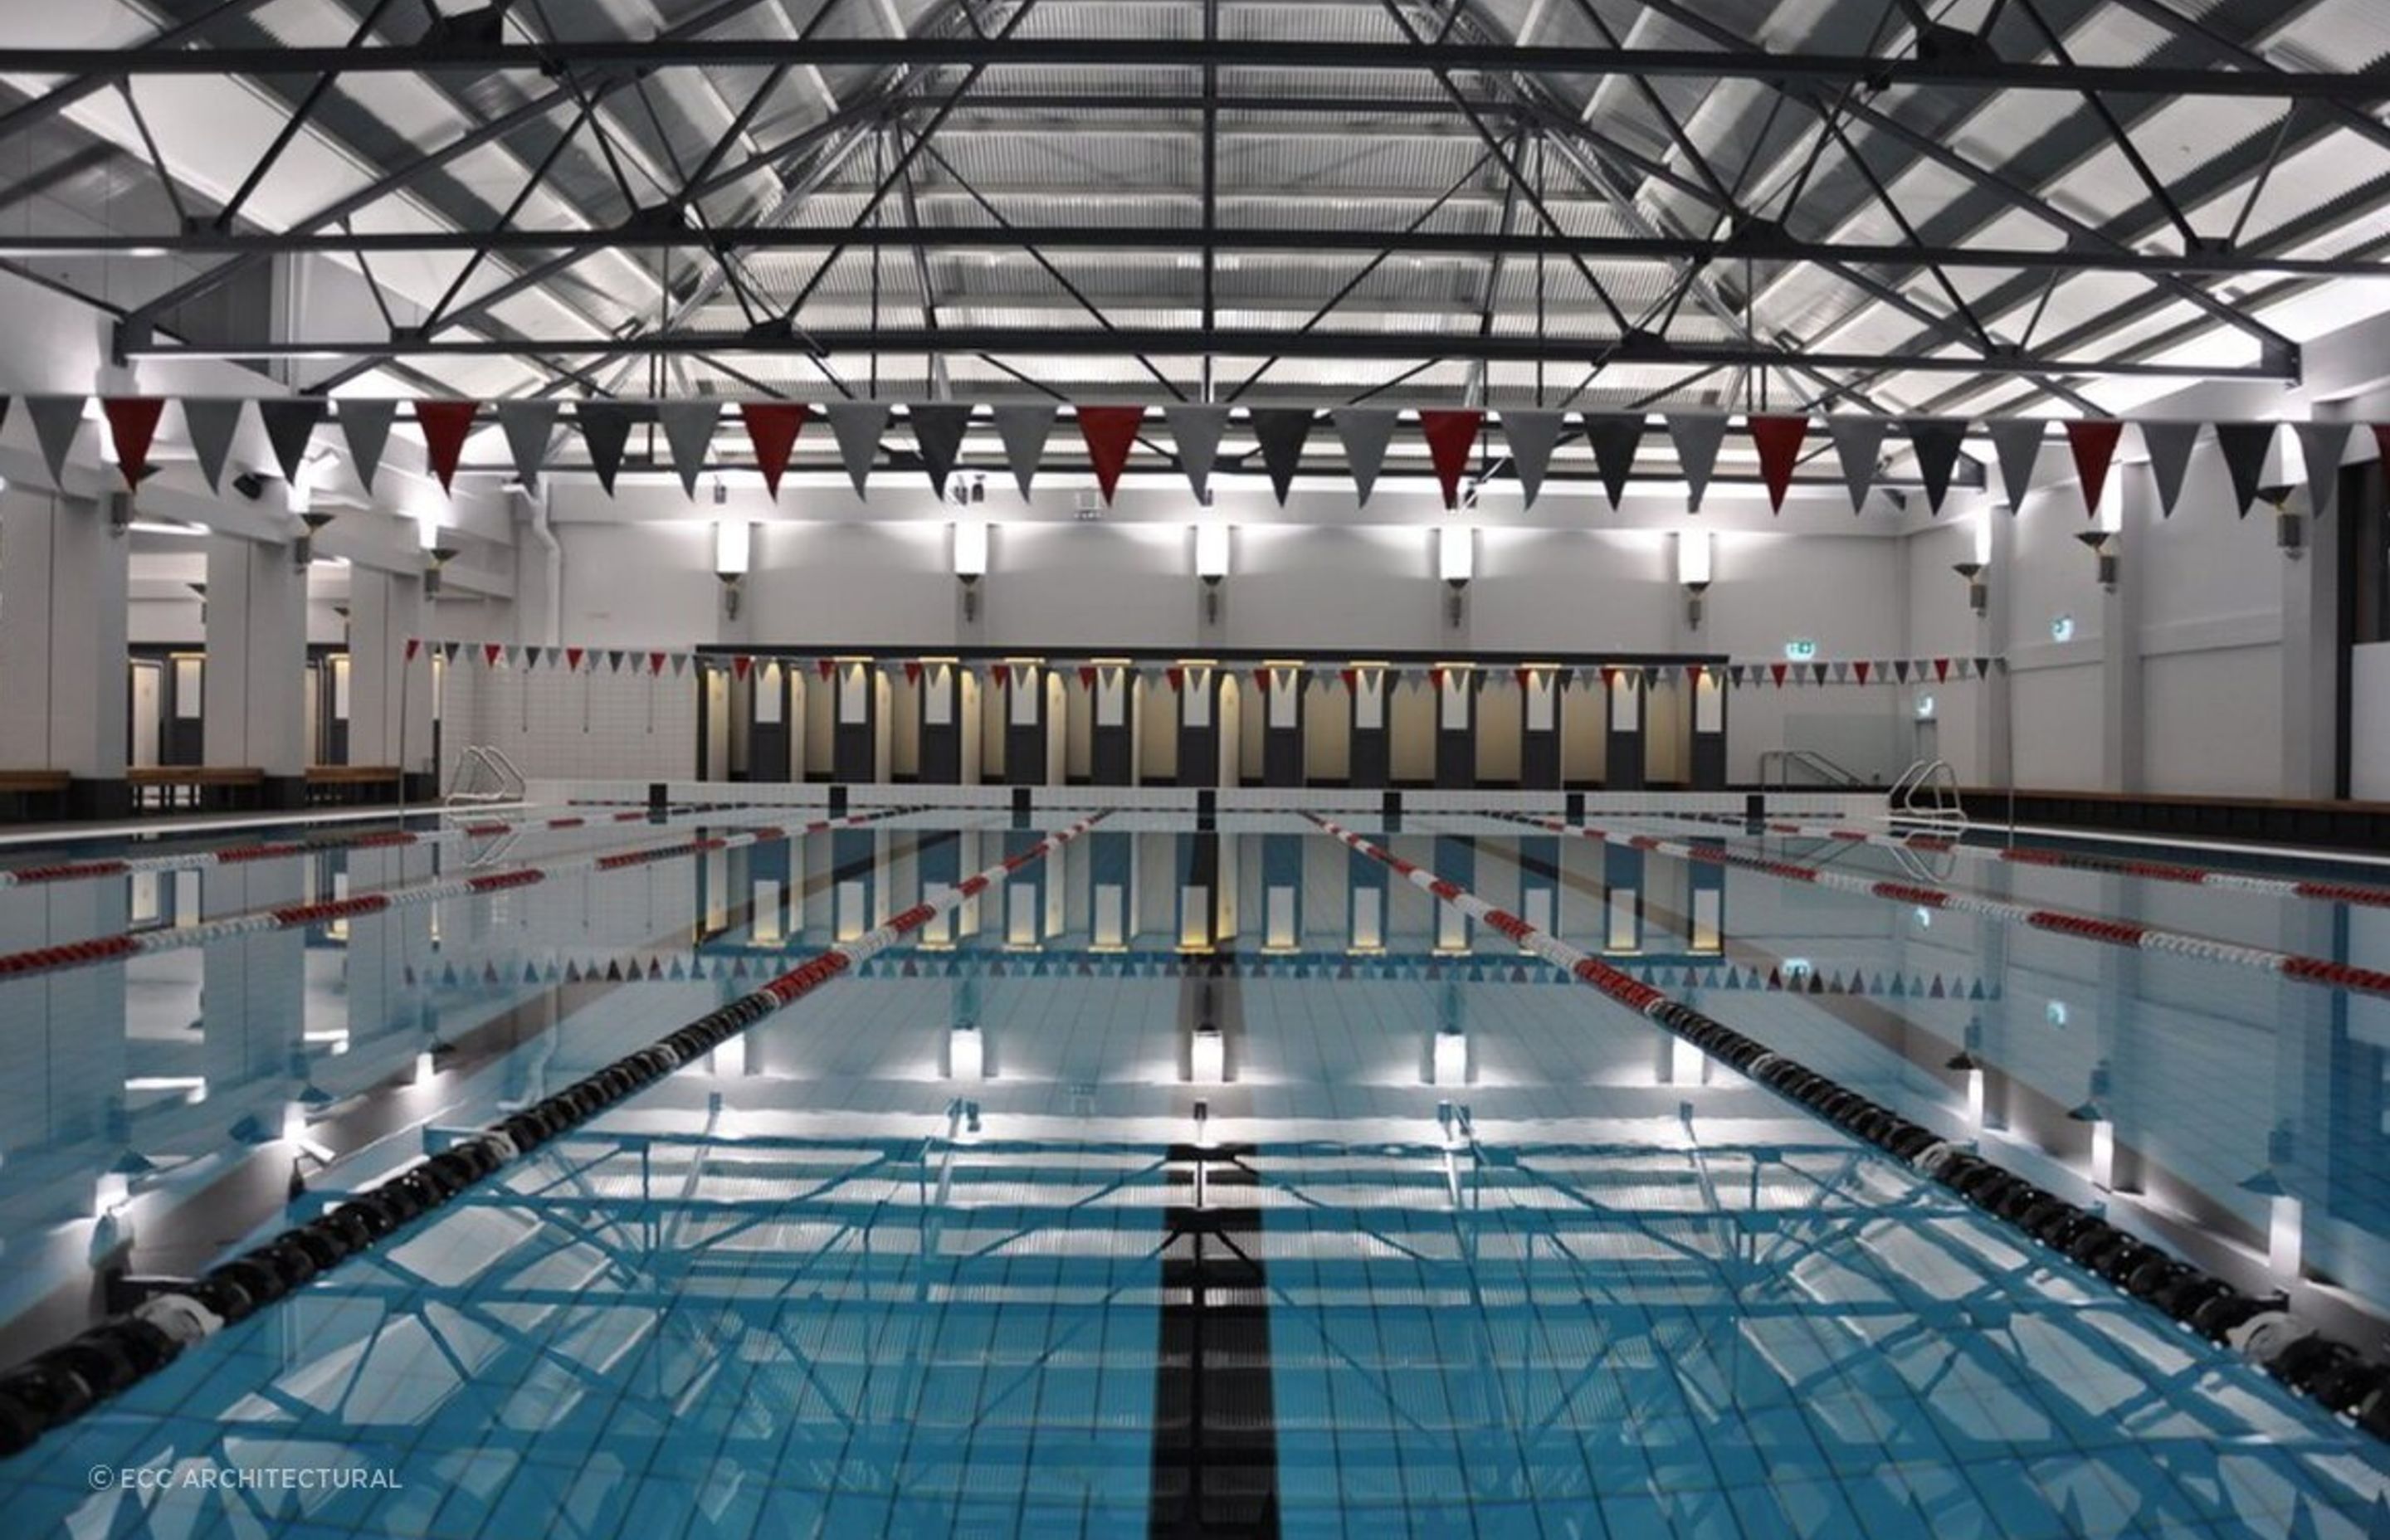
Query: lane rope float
x=55, y=1387
x=125, y=945
x=2101, y=928
x=2260, y=1328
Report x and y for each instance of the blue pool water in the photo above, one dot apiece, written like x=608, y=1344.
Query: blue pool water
x=1558, y=1279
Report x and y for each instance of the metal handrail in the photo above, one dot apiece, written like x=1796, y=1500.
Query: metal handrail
x=1927, y=792
x=463, y=788
x=1817, y=764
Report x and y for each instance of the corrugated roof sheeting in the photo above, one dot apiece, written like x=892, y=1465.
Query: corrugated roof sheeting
x=1369, y=165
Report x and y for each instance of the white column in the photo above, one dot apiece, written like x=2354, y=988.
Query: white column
x=390, y=714
x=63, y=674
x=257, y=664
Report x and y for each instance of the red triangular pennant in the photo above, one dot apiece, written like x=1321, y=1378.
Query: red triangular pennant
x=825, y=666
x=132, y=425
x=771, y=428
x=1350, y=676
x=490, y=651
x=2094, y=442
x=740, y=664
x=1942, y=670
x=414, y=646
x=1779, y=441
x=1780, y=670
x=1110, y=431
x=1451, y=435
x=912, y=671
x=1261, y=680
x=1178, y=677
x=573, y=655
x=1435, y=678
x=445, y=425
x=1860, y=668
x=655, y=662
x=1087, y=677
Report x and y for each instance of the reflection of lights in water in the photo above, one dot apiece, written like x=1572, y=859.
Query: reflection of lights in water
x=1450, y=1065
x=1208, y=1058
x=966, y=1054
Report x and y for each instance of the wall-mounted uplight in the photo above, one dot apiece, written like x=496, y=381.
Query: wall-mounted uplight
x=1211, y=566
x=733, y=549
x=436, y=561
x=303, y=550
x=1456, y=563
x=2290, y=462
x=971, y=561
x=1693, y=573
x=2101, y=544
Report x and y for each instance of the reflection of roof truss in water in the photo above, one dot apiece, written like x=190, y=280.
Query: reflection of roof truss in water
x=1576, y=1286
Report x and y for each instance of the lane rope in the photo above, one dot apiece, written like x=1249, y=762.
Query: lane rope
x=56, y=1387
x=79, y=871
x=2261, y=1329
x=61, y=956
x=2160, y=871
x=2101, y=928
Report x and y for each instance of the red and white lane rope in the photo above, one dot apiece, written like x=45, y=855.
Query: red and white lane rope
x=2161, y=871
x=77, y=871
x=2116, y=933
x=1621, y=987
x=111, y=1358
x=292, y=917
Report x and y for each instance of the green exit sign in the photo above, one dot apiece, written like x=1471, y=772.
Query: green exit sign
x=1800, y=649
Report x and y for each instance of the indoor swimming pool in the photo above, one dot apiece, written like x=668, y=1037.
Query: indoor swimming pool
x=1187, y=1179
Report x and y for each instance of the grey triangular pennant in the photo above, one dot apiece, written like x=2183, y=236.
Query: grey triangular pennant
x=1281, y=430
x=1366, y=431
x=604, y=431
x=688, y=433
x=1858, y=445
x=858, y=425
x=1532, y=436
x=2169, y=445
x=1196, y=431
x=938, y=429
x=1697, y=439
x=2016, y=443
x=1615, y=436
x=2321, y=445
x=2244, y=445
x=213, y=421
x=1025, y=430
x=57, y=420
x=1937, y=441
x=365, y=427
x=528, y=426
x=289, y=428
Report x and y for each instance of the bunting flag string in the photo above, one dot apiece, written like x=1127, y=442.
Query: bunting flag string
x=772, y=430
x=1112, y=434
x=213, y=422
x=2093, y=444
x=133, y=427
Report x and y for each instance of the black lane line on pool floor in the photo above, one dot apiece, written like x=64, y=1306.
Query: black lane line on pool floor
x=1214, y=1412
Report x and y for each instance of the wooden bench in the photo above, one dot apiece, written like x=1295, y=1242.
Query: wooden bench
x=352, y=783
x=22, y=792
x=196, y=785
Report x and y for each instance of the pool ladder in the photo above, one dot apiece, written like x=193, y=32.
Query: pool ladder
x=485, y=775
x=1926, y=799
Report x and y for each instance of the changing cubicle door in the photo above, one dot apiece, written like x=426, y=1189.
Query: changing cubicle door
x=146, y=726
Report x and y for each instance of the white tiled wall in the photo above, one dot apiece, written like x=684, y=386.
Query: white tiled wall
x=556, y=723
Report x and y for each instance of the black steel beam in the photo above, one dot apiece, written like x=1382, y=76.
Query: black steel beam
x=620, y=61
x=1049, y=341
x=1758, y=244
